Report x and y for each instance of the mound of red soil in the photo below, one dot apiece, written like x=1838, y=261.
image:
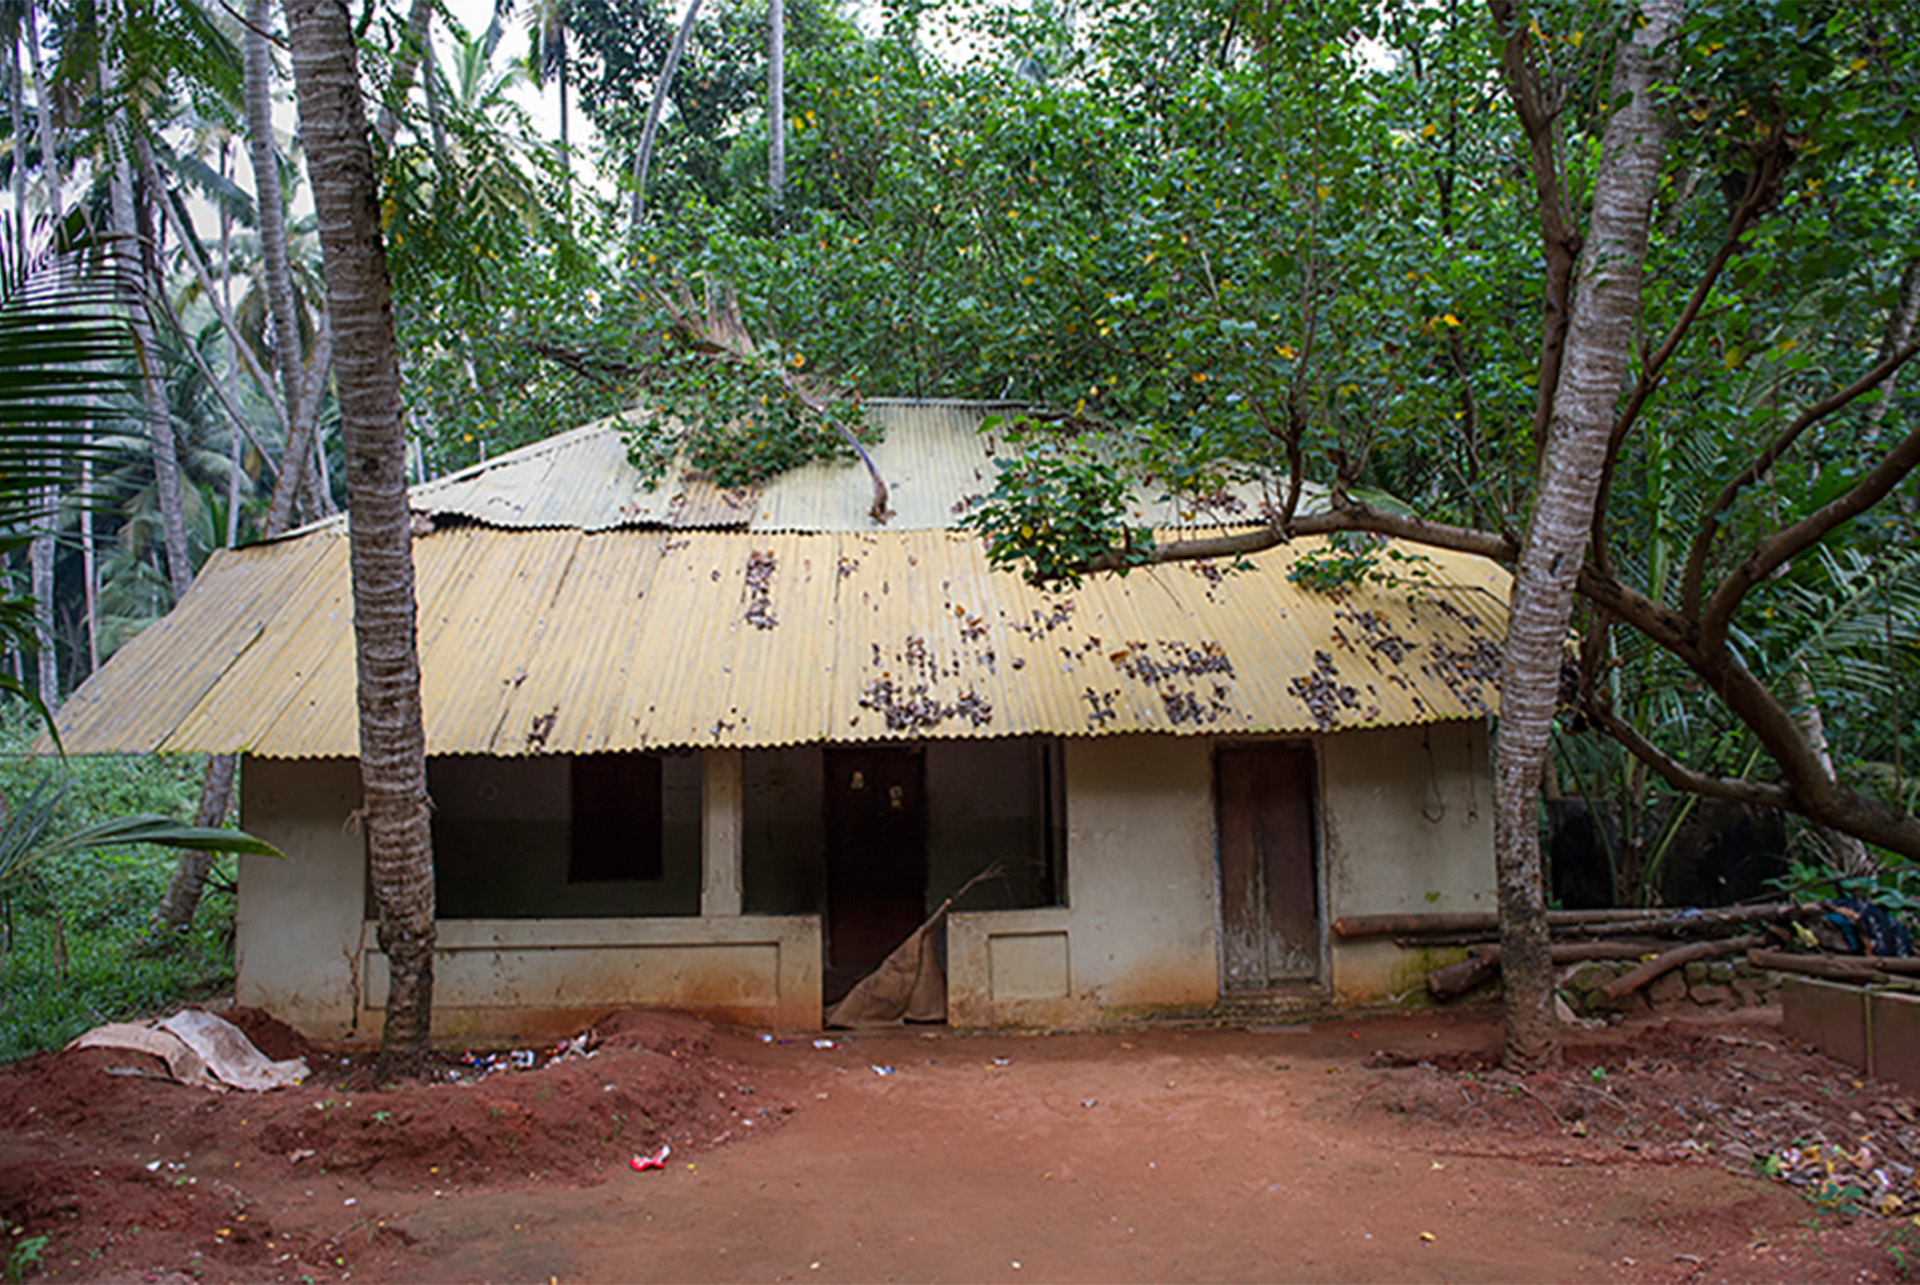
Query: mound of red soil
x=100, y=1134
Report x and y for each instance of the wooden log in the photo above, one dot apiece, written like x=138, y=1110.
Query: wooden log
x=1611, y=921
x=1574, y=952
x=1851, y=968
x=1390, y=925
x=1458, y=979
x=1484, y=961
x=1627, y=983
x=1437, y=941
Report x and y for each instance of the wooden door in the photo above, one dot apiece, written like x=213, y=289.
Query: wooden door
x=876, y=800
x=1269, y=885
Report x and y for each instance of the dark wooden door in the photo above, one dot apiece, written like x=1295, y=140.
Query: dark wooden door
x=876, y=852
x=1269, y=890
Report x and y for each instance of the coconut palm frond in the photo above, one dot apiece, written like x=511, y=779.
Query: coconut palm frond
x=30, y=833
x=65, y=351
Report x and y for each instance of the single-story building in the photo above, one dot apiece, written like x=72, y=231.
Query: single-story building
x=723, y=750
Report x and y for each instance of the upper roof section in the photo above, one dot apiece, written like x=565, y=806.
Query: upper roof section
x=932, y=455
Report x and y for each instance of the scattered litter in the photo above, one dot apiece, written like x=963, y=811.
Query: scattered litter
x=480, y=1065
x=1003, y=1061
x=766, y=1039
x=1426, y=1235
x=1089, y=1102
x=351, y=1200
x=658, y=1160
x=826, y=1044
x=153, y=1166
x=883, y=1070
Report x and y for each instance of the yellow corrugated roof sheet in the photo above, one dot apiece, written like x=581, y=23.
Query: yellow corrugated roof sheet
x=564, y=640
x=930, y=453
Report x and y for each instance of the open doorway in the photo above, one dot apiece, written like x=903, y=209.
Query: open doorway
x=876, y=856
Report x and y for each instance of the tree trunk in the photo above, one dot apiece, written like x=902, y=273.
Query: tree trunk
x=181, y=901
x=392, y=742
x=777, y=102
x=413, y=51
x=40, y=548
x=1845, y=853
x=43, y=112
x=182, y=898
x=89, y=566
x=1599, y=341
x=153, y=398
x=42, y=553
x=257, y=72
x=643, y=158
x=296, y=492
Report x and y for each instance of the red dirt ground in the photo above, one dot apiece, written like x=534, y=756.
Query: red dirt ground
x=1383, y=1149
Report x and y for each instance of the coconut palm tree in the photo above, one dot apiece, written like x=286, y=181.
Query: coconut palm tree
x=392, y=741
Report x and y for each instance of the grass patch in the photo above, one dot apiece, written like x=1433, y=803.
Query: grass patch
x=69, y=933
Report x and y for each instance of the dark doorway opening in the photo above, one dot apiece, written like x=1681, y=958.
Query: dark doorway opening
x=1269, y=883
x=876, y=806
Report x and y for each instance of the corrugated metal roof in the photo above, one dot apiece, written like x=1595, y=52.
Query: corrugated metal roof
x=931, y=454
x=557, y=640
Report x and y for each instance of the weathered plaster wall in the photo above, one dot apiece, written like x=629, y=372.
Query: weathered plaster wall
x=1138, y=932
x=297, y=927
x=529, y=978
x=1407, y=827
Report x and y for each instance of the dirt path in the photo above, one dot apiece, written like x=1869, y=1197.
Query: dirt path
x=1154, y=1156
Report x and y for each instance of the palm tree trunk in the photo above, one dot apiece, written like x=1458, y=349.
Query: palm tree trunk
x=89, y=566
x=17, y=104
x=413, y=49
x=257, y=73
x=182, y=898
x=294, y=490
x=777, y=102
x=40, y=548
x=392, y=741
x=166, y=462
x=43, y=112
x=644, y=157
x=188, y=884
x=1599, y=341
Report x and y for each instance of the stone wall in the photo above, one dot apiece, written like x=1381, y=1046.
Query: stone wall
x=1728, y=983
